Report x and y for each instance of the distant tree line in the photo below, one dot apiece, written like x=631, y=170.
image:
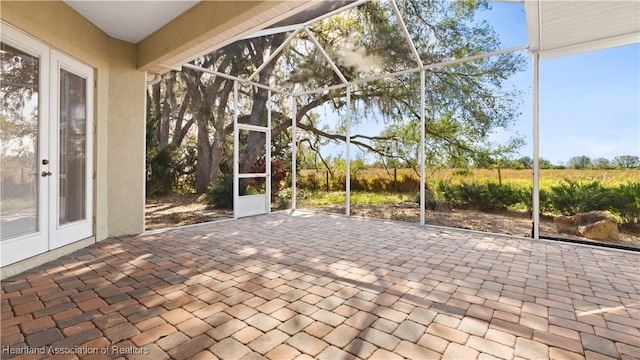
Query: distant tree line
x=307, y=161
x=575, y=162
x=618, y=162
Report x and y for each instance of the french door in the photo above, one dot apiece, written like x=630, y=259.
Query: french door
x=46, y=152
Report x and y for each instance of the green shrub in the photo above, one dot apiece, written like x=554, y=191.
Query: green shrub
x=220, y=194
x=406, y=184
x=481, y=196
x=309, y=182
x=626, y=202
x=573, y=197
x=170, y=170
x=462, y=172
x=503, y=196
x=283, y=198
x=161, y=173
x=337, y=183
x=545, y=202
x=358, y=184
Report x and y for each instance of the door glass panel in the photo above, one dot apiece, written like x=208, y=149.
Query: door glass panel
x=252, y=151
x=19, y=150
x=73, y=139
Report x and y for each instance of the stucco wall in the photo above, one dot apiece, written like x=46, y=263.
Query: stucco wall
x=119, y=107
x=126, y=127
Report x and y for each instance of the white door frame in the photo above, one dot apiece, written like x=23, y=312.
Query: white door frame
x=249, y=205
x=61, y=235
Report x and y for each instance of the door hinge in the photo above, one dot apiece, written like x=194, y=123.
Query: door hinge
x=93, y=220
x=93, y=176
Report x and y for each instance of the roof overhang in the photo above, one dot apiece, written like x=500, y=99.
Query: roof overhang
x=171, y=33
x=566, y=27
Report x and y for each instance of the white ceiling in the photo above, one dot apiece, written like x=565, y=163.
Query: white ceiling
x=131, y=21
x=566, y=27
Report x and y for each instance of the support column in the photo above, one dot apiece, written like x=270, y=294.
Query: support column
x=348, y=155
x=536, y=146
x=294, y=146
x=267, y=167
x=422, y=139
x=236, y=154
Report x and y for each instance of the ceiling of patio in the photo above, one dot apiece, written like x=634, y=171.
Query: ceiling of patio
x=131, y=21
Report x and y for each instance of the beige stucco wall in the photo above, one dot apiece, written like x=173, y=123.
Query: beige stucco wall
x=119, y=107
x=126, y=143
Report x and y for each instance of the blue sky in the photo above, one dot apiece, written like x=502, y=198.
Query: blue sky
x=589, y=103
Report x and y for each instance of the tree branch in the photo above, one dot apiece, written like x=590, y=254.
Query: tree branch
x=314, y=149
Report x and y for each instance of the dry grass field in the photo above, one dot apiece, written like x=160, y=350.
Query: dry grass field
x=519, y=177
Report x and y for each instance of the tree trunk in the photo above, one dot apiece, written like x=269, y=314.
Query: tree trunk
x=217, y=149
x=169, y=102
x=157, y=110
x=203, y=161
x=256, y=140
x=220, y=139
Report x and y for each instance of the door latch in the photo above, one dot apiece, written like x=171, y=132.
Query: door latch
x=46, y=173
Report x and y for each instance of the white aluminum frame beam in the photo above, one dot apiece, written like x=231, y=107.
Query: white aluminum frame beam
x=236, y=154
x=422, y=140
x=416, y=69
x=268, y=168
x=235, y=78
x=324, y=53
x=475, y=57
x=281, y=29
x=276, y=52
x=294, y=155
x=405, y=31
x=347, y=182
x=535, y=192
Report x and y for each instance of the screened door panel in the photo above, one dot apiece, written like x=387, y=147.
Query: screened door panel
x=253, y=167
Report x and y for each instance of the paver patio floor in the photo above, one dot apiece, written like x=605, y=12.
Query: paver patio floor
x=310, y=285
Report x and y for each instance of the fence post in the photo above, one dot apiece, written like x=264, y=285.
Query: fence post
x=327, y=179
x=395, y=179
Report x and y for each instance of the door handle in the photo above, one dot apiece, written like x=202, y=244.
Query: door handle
x=46, y=173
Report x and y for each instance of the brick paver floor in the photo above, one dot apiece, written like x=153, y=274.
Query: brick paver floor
x=309, y=285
